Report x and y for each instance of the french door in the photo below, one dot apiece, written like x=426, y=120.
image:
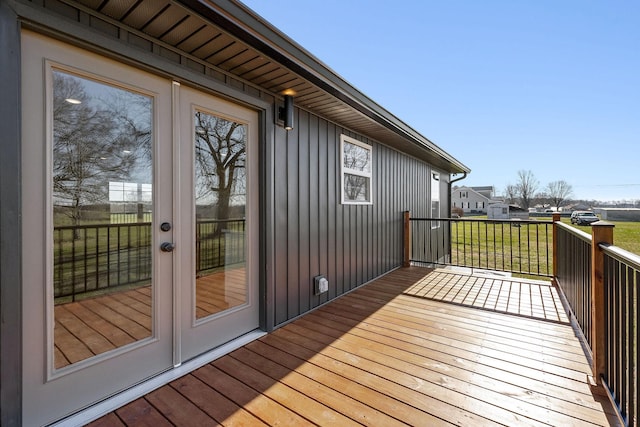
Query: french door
x=139, y=226
x=217, y=159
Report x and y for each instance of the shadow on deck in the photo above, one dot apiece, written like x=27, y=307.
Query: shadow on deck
x=396, y=352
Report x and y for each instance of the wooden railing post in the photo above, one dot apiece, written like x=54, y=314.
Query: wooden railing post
x=601, y=232
x=406, y=262
x=554, y=254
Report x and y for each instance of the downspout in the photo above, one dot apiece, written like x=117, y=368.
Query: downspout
x=464, y=175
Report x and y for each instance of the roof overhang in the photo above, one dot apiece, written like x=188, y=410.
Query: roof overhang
x=250, y=28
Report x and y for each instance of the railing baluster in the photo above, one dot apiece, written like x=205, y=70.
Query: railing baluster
x=73, y=264
x=97, y=256
x=495, y=265
x=471, y=246
x=128, y=267
x=520, y=247
x=486, y=247
x=513, y=247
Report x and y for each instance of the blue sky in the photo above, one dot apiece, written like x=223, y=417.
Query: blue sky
x=542, y=85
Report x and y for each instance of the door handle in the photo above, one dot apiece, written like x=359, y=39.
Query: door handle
x=167, y=247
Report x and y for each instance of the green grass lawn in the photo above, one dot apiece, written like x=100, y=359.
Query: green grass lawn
x=525, y=249
x=626, y=234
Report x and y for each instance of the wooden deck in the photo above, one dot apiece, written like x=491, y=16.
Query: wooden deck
x=386, y=354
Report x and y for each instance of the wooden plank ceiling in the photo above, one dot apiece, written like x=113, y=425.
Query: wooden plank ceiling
x=198, y=37
x=190, y=33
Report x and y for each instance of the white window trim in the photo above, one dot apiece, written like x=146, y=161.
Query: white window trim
x=344, y=170
x=435, y=197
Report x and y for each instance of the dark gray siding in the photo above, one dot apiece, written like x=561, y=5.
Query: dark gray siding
x=10, y=220
x=316, y=234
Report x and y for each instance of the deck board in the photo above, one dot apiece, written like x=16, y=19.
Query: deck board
x=216, y=405
x=386, y=354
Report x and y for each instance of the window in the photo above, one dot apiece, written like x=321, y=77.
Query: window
x=435, y=199
x=356, y=168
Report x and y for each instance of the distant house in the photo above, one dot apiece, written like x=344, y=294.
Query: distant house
x=473, y=200
x=505, y=211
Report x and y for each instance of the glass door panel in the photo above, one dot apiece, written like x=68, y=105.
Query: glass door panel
x=102, y=217
x=217, y=246
x=220, y=203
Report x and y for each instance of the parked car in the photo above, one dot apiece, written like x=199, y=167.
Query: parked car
x=583, y=217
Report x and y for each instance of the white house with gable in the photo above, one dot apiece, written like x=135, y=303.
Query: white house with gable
x=473, y=200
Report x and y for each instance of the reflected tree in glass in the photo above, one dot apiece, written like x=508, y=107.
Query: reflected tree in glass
x=220, y=194
x=356, y=159
x=220, y=162
x=101, y=271
x=100, y=134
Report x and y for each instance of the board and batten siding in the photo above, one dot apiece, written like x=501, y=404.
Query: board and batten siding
x=315, y=234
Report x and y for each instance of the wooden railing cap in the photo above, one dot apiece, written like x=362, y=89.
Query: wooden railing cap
x=602, y=223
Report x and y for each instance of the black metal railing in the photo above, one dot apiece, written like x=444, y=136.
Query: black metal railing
x=574, y=274
x=219, y=243
x=516, y=246
x=622, y=337
x=93, y=258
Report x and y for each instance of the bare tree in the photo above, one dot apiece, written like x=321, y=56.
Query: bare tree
x=559, y=191
x=510, y=193
x=220, y=159
x=92, y=144
x=526, y=187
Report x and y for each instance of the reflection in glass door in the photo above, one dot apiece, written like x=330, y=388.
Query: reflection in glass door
x=217, y=245
x=220, y=198
x=102, y=211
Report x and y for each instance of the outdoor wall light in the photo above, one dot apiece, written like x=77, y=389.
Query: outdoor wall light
x=285, y=113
